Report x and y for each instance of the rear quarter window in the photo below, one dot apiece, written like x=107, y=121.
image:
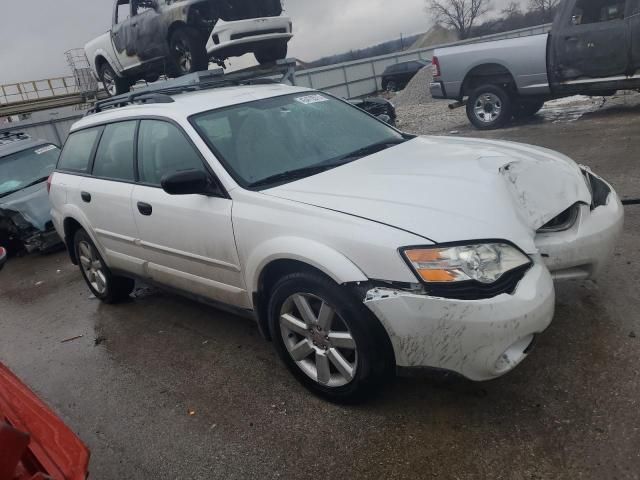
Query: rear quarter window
x=77, y=151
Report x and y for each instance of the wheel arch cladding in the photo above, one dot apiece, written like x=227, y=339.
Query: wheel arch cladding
x=493, y=73
x=266, y=266
x=175, y=26
x=71, y=226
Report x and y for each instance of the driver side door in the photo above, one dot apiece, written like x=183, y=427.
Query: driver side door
x=187, y=241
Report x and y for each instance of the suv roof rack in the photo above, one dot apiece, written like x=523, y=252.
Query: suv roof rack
x=204, y=80
x=10, y=137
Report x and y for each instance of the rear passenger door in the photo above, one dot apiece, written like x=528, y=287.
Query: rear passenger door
x=591, y=40
x=187, y=240
x=633, y=20
x=105, y=196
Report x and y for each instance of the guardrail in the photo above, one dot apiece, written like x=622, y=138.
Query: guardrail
x=364, y=77
x=54, y=130
x=38, y=89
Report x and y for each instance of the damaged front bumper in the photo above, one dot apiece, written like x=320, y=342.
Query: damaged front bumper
x=20, y=235
x=585, y=248
x=479, y=339
x=235, y=34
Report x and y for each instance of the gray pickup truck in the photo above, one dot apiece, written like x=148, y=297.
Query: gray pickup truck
x=593, y=49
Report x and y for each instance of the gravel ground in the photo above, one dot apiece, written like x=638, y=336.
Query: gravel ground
x=426, y=117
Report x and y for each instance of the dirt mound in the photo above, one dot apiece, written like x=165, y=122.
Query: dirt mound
x=417, y=91
x=437, y=35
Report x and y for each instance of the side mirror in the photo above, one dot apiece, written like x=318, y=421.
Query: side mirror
x=385, y=118
x=187, y=182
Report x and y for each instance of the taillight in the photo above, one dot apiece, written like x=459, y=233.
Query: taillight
x=49, y=183
x=436, y=66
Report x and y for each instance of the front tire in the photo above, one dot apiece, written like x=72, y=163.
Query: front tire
x=489, y=107
x=272, y=53
x=103, y=284
x=327, y=338
x=188, y=52
x=112, y=83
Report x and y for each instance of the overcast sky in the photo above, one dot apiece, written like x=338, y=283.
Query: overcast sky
x=34, y=34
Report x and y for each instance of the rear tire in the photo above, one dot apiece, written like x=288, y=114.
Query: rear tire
x=188, y=52
x=489, y=107
x=103, y=284
x=272, y=53
x=392, y=86
x=344, y=359
x=524, y=109
x=112, y=83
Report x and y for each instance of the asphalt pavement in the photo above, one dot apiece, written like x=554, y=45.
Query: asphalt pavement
x=162, y=387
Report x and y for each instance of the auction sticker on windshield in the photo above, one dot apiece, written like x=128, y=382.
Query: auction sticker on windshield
x=46, y=149
x=309, y=99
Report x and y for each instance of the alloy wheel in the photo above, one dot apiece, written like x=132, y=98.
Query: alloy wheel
x=318, y=340
x=183, y=56
x=488, y=107
x=92, y=267
x=109, y=83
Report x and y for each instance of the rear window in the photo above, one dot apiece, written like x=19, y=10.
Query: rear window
x=114, y=157
x=28, y=167
x=76, y=154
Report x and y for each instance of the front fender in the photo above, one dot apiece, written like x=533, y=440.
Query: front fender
x=324, y=258
x=101, y=52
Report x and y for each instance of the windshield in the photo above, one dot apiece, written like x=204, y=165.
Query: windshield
x=289, y=137
x=22, y=169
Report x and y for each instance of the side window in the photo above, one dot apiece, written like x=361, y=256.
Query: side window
x=597, y=11
x=114, y=157
x=163, y=149
x=77, y=150
x=124, y=11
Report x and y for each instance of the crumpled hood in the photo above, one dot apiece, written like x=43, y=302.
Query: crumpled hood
x=32, y=203
x=451, y=189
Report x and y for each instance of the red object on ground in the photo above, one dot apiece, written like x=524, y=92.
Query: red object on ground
x=34, y=443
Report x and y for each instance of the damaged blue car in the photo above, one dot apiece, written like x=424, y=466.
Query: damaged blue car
x=25, y=219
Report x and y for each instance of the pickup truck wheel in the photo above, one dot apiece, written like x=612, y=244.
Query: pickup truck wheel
x=526, y=108
x=272, y=53
x=489, y=107
x=188, y=52
x=326, y=338
x=103, y=284
x=113, y=84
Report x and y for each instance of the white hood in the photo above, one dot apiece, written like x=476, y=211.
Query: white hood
x=451, y=189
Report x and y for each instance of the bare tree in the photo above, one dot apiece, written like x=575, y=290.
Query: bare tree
x=546, y=8
x=458, y=14
x=511, y=10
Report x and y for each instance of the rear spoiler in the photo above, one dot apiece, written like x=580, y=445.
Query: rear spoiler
x=34, y=442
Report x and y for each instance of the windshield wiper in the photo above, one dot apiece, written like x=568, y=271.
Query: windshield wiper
x=294, y=174
x=374, y=148
x=35, y=182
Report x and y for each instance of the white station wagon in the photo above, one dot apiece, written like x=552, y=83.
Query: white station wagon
x=360, y=251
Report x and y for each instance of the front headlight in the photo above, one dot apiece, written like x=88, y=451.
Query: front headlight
x=482, y=262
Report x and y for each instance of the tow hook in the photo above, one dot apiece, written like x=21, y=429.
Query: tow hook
x=454, y=105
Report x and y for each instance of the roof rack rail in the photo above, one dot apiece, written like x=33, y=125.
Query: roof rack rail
x=204, y=80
